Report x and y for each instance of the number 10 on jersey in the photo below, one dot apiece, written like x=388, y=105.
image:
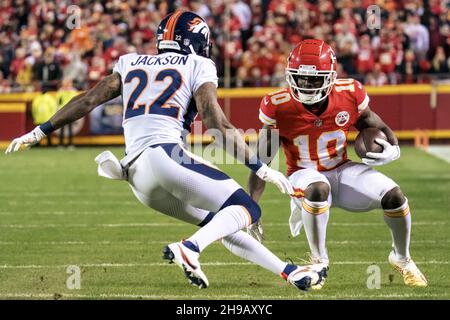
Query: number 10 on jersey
x=158, y=105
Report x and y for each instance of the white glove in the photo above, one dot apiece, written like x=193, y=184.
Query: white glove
x=390, y=153
x=27, y=140
x=277, y=178
x=256, y=231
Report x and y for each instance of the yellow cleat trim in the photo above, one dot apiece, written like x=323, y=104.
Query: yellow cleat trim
x=410, y=279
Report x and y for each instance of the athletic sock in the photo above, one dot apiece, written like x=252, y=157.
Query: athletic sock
x=246, y=247
x=399, y=221
x=225, y=222
x=315, y=216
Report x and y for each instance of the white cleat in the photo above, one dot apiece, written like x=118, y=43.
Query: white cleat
x=304, y=277
x=187, y=260
x=320, y=266
x=322, y=269
x=409, y=271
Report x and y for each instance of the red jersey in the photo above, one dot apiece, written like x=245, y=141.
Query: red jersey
x=310, y=141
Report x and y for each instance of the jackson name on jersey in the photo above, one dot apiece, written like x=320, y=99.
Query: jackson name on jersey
x=310, y=141
x=157, y=92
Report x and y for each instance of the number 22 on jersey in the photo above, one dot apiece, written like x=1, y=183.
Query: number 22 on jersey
x=159, y=104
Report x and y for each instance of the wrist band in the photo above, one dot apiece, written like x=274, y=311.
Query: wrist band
x=254, y=164
x=47, y=127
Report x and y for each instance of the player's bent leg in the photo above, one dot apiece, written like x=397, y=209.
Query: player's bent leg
x=362, y=188
x=398, y=217
x=314, y=213
x=238, y=211
x=245, y=246
x=198, y=183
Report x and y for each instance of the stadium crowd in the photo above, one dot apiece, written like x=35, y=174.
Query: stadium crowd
x=44, y=42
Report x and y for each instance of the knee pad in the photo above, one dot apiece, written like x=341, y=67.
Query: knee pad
x=241, y=198
x=317, y=191
x=394, y=198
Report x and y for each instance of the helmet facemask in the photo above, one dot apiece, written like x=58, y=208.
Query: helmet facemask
x=309, y=85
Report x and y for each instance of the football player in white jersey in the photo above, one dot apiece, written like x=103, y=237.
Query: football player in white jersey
x=161, y=96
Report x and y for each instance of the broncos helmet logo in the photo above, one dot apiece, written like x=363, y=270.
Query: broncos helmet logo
x=197, y=25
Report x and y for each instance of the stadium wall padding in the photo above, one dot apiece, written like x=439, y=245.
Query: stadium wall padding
x=405, y=108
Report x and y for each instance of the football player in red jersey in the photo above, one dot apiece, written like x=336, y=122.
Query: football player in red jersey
x=312, y=119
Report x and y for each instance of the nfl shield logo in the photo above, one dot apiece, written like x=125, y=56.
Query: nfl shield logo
x=318, y=123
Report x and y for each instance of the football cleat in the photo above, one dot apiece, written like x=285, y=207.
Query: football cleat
x=322, y=269
x=409, y=271
x=303, y=277
x=187, y=260
x=320, y=266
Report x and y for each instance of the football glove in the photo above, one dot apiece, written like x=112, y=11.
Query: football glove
x=277, y=178
x=256, y=231
x=390, y=153
x=27, y=140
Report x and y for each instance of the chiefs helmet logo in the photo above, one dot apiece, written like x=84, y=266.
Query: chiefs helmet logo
x=197, y=25
x=342, y=118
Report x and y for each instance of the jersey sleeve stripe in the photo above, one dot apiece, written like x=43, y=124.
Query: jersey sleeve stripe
x=363, y=105
x=265, y=119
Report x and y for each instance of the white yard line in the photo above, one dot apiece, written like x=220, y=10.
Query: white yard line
x=210, y=264
x=218, y=297
x=157, y=242
x=164, y=224
x=41, y=194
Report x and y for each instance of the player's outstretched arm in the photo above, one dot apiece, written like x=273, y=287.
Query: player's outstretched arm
x=267, y=150
x=78, y=107
x=232, y=141
x=391, y=150
x=268, y=145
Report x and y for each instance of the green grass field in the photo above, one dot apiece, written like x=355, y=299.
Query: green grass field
x=55, y=212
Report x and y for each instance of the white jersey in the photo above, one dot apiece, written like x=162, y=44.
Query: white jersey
x=157, y=92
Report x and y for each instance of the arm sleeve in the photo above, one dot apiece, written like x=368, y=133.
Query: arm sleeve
x=267, y=113
x=205, y=71
x=362, y=99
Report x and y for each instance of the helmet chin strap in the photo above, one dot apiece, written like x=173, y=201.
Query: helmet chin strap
x=192, y=49
x=309, y=98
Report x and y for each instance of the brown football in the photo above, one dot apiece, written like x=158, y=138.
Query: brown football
x=365, y=141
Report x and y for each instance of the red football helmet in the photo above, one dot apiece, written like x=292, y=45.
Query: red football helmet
x=311, y=71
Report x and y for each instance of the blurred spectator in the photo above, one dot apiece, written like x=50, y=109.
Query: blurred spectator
x=365, y=58
x=63, y=96
x=6, y=54
x=409, y=67
x=200, y=8
x=77, y=70
x=242, y=11
x=418, y=33
x=439, y=62
x=106, y=29
x=48, y=71
x=4, y=84
x=43, y=107
x=377, y=77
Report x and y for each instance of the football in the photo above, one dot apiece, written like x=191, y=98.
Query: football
x=365, y=141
